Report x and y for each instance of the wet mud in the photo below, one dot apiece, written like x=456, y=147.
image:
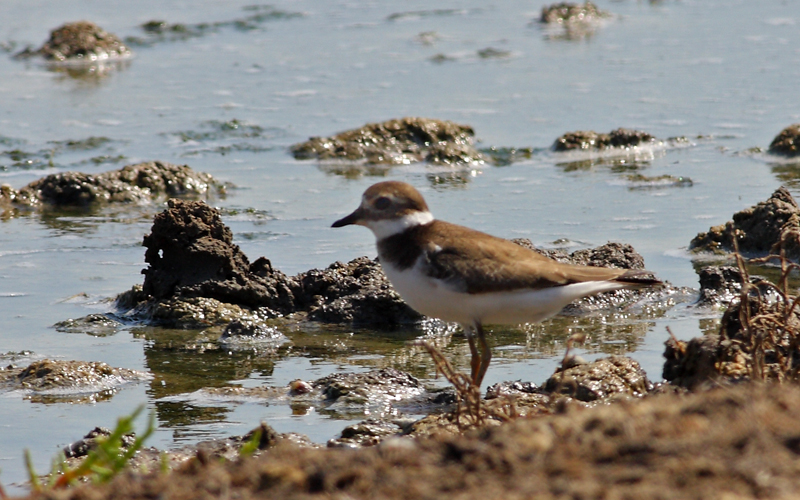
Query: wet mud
x=67, y=381
x=739, y=441
x=81, y=42
x=756, y=341
x=139, y=183
x=758, y=230
x=589, y=140
x=573, y=21
x=787, y=142
x=196, y=277
x=579, y=419
x=397, y=142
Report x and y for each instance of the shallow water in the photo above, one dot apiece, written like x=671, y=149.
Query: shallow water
x=722, y=74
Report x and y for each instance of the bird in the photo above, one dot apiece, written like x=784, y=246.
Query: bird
x=469, y=277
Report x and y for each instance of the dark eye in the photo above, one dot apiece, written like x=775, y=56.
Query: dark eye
x=382, y=203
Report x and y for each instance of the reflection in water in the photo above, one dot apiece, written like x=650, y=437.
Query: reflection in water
x=617, y=165
x=787, y=172
x=88, y=220
x=180, y=414
x=183, y=361
x=352, y=170
x=90, y=74
x=186, y=361
x=618, y=160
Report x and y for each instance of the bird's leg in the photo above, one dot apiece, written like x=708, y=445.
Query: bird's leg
x=486, y=354
x=476, y=360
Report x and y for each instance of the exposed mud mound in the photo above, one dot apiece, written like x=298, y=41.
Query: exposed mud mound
x=190, y=253
x=357, y=292
x=358, y=388
x=192, y=258
x=73, y=381
x=787, y=143
x=739, y=442
x=612, y=254
x=592, y=141
x=601, y=379
x=620, y=255
x=757, y=229
x=566, y=12
x=719, y=285
x=142, y=182
x=396, y=142
x=82, y=41
x=767, y=349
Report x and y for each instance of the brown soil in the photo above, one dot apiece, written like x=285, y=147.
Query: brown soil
x=398, y=141
x=757, y=230
x=81, y=41
x=592, y=141
x=787, y=143
x=736, y=442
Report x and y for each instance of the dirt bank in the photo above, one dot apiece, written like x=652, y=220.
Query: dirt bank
x=737, y=442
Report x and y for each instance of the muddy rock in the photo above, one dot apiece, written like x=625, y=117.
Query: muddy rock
x=620, y=255
x=190, y=254
x=82, y=447
x=787, y=143
x=601, y=379
x=198, y=277
x=738, y=442
x=190, y=312
x=80, y=42
x=768, y=349
x=376, y=385
x=246, y=333
x=224, y=449
x=386, y=391
x=140, y=183
x=612, y=254
x=357, y=292
x=721, y=285
x=511, y=387
x=68, y=378
x=592, y=141
x=99, y=325
x=396, y=142
x=527, y=397
x=367, y=433
x=758, y=230
x=691, y=364
x=566, y=12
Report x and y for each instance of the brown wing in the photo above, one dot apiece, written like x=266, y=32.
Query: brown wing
x=476, y=262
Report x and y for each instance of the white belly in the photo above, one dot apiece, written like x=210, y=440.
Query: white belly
x=435, y=298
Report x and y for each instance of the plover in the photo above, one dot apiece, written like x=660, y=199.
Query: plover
x=458, y=274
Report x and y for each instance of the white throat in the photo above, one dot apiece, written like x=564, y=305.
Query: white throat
x=383, y=228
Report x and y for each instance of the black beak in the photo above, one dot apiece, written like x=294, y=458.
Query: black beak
x=349, y=220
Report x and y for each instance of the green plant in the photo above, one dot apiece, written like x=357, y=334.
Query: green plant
x=103, y=462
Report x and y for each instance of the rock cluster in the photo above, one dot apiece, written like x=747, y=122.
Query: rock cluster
x=82, y=42
x=396, y=142
x=593, y=141
x=787, y=142
x=192, y=261
x=566, y=12
x=758, y=230
x=139, y=183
